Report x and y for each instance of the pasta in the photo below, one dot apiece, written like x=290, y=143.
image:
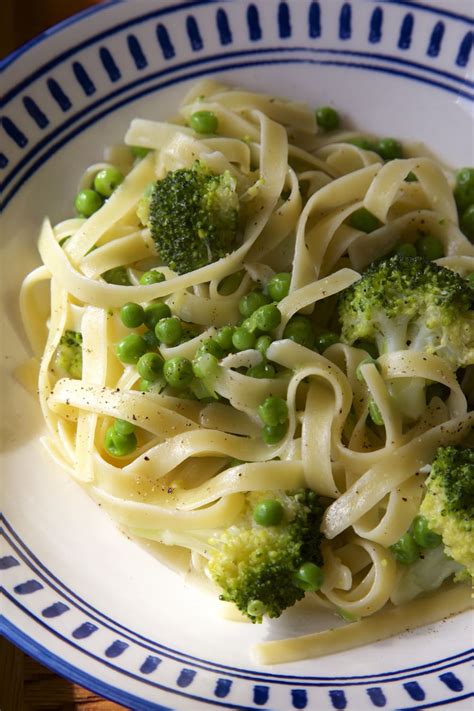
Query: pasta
x=196, y=458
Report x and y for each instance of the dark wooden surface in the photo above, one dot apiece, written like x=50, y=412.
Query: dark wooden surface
x=25, y=685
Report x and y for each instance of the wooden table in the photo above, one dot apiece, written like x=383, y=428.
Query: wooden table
x=26, y=685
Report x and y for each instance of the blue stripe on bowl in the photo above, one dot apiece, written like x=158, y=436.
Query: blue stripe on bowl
x=299, y=698
x=345, y=22
x=253, y=23
x=3, y=164
x=338, y=698
x=60, y=97
x=83, y=79
x=32, y=108
x=150, y=664
x=451, y=681
x=222, y=688
x=84, y=630
x=260, y=694
x=406, y=31
x=377, y=696
x=164, y=41
x=55, y=610
x=185, y=678
x=223, y=27
x=116, y=649
x=414, y=690
x=135, y=49
x=465, y=48
x=284, y=20
x=28, y=587
x=436, y=39
x=314, y=20
x=376, y=21
x=109, y=64
x=12, y=130
x=8, y=561
x=195, y=39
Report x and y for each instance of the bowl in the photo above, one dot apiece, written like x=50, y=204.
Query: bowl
x=79, y=596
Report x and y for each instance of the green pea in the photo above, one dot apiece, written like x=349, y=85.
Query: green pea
x=271, y=434
x=152, y=277
x=268, y=512
x=467, y=222
x=374, y=412
x=406, y=550
x=256, y=608
x=365, y=361
x=204, y=122
x=223, y=337
x=437, y=390
x=326, y=339
x=273, y=410
x=429, y=247
x=243, y=339
x=411, y=178
x=132, y=315
x=278, y=286
x=368, y=347
x=178, y=372
x=154, y=312
x=405, y=249
x=205, y=366
x=230, y=283
x=107, y=180
x=262, y=344
x=119, y=445
x=423, y=535
x=139, y=151
x=117, y=275
x=362, y=142
x=266, y=318
x=150, y=367
x=364, y=220
x=210, y=345
x=251, y=302
x=464, y=189
x=169, y=330
x=131, y=348
x=151, y=340
x=300, y=330
x=309, y=577
x=124, y=427
x=262, y=370
x=87, y=202
x=470, y=278
x=389, y=148
x=327, y=118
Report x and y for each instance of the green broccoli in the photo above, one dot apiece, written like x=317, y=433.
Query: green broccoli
x=193, y=216
x=265, y=563
x=448, y=505
x=411, y=303
x=69, y=354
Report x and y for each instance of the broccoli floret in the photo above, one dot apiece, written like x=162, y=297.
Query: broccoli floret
x=256, y=566
x=409, y=302
x=448, y=505
x=69, y=354
x=193, y=216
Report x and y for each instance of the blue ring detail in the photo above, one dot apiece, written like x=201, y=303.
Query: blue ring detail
x=3, y=160
x=28, y=587
x=164, y=41
x=260, y=694
x=222, y=688
x=136, y=51
x=377, y=696
x=465, y=50
x=284, y=20
x=55, y=610
x=338, y=699
x=83, y=79
x=435, y=704
x=436, y=39
x=414, y=690
x=223, y=27
x=84, y=630
x=406, y=31
x=116, y=649
x=299, y=698
x=185, y=678
x=451, y=681
x=345, y=22
x=12, y=130
x=56, y=91
x=253, y=23
x=8, y=561
x=150, y=664
x=376, y=21
x=109, y=64
x=314, y=20
x=192, y=28
x=38, y=116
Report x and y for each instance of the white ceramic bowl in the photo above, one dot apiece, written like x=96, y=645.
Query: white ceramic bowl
x=79, y=596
